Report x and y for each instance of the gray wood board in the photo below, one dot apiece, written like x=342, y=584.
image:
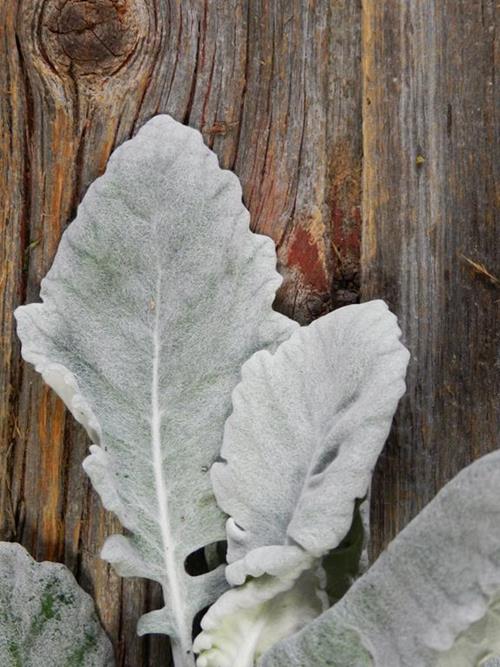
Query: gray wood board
x=430, y=236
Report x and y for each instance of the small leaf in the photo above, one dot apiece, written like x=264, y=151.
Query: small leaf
x=308, y=424
x=300, y=446
x=431, y=600
x=45, y=617
x=246, y=621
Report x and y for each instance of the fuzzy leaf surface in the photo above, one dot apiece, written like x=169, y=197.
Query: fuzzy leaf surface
x=157, y=295
x=45, y=617
x=246, y=620
x=308, y=424
x=430, y=600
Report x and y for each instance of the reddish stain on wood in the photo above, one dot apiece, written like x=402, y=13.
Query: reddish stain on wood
x=304, y=255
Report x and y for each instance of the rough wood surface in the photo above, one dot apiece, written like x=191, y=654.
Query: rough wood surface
x=276, y=90
x=431, y=236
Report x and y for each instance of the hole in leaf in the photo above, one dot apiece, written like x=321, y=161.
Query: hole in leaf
x=206, y=559
x=342, y=565
x=197, y=622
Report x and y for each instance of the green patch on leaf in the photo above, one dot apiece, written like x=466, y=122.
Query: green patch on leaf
x=77, y=658
x=14, y=652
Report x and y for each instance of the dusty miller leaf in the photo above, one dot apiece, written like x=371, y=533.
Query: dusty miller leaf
x=157, y=295
x=245, y=621
x=45, y=617
x=306, y=430
x=308, y=424
x=431, y=600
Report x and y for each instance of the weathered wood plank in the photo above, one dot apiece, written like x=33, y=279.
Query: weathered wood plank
x=274, y=88
x=429, y=211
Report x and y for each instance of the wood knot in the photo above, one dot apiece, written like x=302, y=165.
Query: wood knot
x=90, y=37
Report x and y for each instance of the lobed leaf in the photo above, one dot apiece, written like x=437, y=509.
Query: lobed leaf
x=157, y=295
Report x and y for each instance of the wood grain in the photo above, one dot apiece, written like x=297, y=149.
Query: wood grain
x=429, y=212
x=275, y=89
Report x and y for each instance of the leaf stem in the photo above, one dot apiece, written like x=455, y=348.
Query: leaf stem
x=183, y=657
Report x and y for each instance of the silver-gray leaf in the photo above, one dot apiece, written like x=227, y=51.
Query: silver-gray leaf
x=157, y=295
x=308, y=424
x=431, y=600
x=45, y=617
